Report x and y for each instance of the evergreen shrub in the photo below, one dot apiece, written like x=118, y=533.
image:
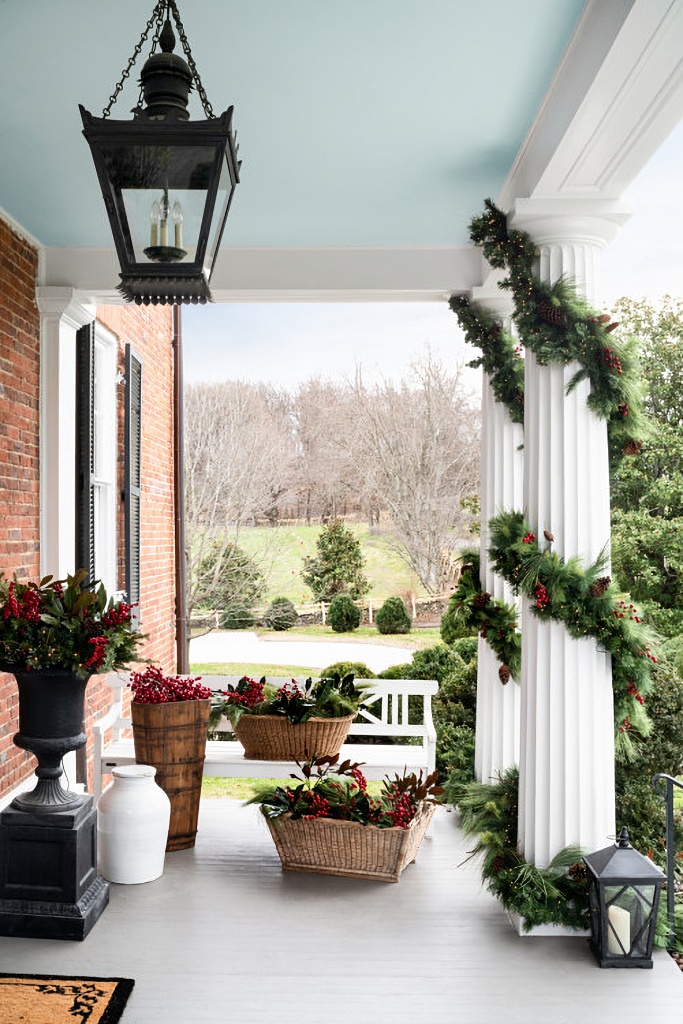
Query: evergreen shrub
x=393, y=617
x=281, y=614
x=237, y=616
x=344, y=668
x=343, y=614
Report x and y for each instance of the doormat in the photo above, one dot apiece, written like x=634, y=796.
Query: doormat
x=44, y=999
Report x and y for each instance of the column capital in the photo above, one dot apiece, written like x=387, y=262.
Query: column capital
x=64, y=303
x=595, y=222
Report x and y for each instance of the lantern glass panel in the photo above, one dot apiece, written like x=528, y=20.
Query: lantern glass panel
x=142, y=175
x=629, y=919
x=226, y=187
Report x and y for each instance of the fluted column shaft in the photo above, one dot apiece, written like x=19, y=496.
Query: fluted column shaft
x=497, y=726
x=566, y=793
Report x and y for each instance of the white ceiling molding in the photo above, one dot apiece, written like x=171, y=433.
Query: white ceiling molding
x=354, y=274
x=605, y=121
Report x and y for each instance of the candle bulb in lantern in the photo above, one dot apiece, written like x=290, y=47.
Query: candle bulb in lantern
x=618, y=931
x=155, y=217
x=178, y=223
x=163, y=226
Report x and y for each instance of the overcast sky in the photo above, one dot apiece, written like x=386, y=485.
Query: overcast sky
x=287, y=343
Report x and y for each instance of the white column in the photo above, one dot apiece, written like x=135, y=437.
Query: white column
x=498, y=706
x=567, y=726
x=61, y=315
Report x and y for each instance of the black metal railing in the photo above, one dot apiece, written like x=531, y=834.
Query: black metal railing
x=664, y=785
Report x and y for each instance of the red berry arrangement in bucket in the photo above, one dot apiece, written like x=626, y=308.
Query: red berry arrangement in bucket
x=153, y=687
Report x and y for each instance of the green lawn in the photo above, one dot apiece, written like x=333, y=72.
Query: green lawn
x=280, y=552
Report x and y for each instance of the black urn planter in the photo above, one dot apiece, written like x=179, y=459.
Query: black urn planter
x=51, y=710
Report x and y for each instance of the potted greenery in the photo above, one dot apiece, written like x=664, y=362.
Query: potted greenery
x=292, y=722
x=55, y=634
x=327, y=823
x=170, y=715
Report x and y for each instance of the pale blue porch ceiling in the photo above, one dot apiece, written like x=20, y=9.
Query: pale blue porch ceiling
x=361, y=123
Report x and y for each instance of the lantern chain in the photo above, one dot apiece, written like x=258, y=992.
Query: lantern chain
x=208, y=109
x=156, y=14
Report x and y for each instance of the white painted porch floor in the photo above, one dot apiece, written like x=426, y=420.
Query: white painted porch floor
x=226, y=936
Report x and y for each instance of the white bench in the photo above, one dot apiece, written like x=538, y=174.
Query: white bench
x=386, y=716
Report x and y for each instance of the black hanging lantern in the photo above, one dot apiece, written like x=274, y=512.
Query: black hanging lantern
x=623, y=890
x=167, y=182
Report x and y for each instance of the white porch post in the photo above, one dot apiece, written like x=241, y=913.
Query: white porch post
x=566, y=790
x=61, y=315
x=498, y=706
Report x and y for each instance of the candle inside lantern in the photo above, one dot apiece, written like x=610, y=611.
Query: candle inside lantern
x=163, y=226
x=619, y=929
x=155, y=217
x=178, y=223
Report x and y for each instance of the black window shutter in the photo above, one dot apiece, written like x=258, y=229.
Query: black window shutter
x=85, y=449
x=132, y=484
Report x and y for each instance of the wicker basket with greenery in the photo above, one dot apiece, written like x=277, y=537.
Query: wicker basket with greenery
x=293, y=722
x=329, y=824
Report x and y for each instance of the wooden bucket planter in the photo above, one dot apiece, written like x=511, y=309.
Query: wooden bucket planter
x=324, y=846
x=172, y=738
x=273, y=738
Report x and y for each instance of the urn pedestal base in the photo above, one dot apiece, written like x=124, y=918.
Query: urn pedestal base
x=49, y=886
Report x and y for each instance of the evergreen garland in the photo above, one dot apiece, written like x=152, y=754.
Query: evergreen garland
x=494, y=620
x=500, y=354
x=559, y=327
x=557, y=894
x=586, y=602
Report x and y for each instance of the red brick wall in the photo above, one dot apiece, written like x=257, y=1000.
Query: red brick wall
x=19, y=471
x=150, y=332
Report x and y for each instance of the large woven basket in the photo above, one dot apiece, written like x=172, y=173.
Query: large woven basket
x=273, y=738
x=327, y=847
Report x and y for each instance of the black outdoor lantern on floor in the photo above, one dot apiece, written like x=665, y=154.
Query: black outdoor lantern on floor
x=623, y=890
x=167, y=182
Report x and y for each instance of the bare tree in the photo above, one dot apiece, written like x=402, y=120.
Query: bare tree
x=323, y=417
x=418, y=448
x=238, y=444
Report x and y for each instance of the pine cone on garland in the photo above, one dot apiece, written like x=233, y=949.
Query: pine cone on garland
x=481, y=600
x=504, y=674
x=551, y=313
x=577, y=872
x=548, y=536
x=632, y=448
x=611, y=327
x=598, y=588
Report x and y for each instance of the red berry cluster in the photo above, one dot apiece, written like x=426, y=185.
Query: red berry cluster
x=97, y=657
x=290, y=691
x=624, y=410
x=612, y=359
x=26, y=608
x=402, y=809
x=247, y=694
x=633, y=691
x=119, y=615
x=542, y=598
x=153, y=687
x=622, y=609
x=647, y=653
x=529, y=538
x=625, y=725
x=359, y=779
x=318, y=806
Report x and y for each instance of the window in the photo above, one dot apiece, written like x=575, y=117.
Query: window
x=96, y=424
x=131, y=488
